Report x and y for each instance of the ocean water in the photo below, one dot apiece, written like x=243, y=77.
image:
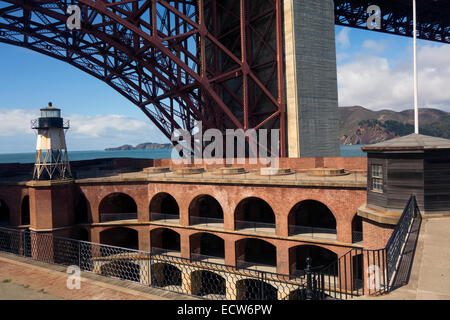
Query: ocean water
x=346, y=151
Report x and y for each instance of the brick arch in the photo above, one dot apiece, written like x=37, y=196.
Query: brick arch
x=195, y=211
x=321, y=217
x=207, y=244
x=320, y=256
x=119, y=236
x=169, y=243
x=117, y=203
x=156, y=206
x=242, y=253
x=96, y=193
x=239, y=215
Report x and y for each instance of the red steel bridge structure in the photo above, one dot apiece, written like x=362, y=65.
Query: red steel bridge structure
x=216, y=61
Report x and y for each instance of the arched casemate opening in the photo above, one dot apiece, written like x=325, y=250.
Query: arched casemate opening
x=320, y=258
x=313, y=219
x=208, y=284
x=165, y=241
x=256, y=253
x=207, y=247
x=81, y=209
x=117, y=206
x=164, y=207
x=4, y=214
x=25, y=211
x=120, y=237
x=164, y=275
x=250, y=289
x=357, y=229
x=256, y=215
x=204, y=209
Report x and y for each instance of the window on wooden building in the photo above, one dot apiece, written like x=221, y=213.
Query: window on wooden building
x=377, y=178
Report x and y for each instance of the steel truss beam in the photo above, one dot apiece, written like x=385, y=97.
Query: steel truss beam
x=433, y=17
x=219, y=62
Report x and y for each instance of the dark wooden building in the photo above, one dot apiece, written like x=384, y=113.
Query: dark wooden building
x=414, y=164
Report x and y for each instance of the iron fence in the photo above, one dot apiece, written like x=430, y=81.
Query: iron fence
x=199, y=277
x=108, y=217
x=259, y=227
x=164, y=217
x=374, y=272
x=313, y=232
x=210, y=222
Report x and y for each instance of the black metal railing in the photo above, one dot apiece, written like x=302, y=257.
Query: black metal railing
x=159, y=269
x=109, y=217
x=209, y=222
x=164, y=217
x=313, y=232
x=206, y=258
x=373, y=272
x=259, y=227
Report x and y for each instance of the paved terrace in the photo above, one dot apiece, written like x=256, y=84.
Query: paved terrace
x=26, y=279
x=349, y=179
x=430, y=274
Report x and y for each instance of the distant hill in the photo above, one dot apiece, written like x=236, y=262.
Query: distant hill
x=359, y=125
x=142, y=146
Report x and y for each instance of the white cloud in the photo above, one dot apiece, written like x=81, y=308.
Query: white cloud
x=375, y=83
x=16, y=122
x=374, y=46
x=342, y=38
x=85, y=133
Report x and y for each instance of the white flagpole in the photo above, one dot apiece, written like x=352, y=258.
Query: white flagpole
x=416, y=85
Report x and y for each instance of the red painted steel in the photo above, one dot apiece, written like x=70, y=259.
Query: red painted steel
x=178, y=61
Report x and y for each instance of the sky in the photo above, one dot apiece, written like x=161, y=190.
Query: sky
x=375, y=71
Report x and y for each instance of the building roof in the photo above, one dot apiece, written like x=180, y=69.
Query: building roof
x=412, y=141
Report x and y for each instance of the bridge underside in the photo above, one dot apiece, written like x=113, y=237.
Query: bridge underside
x=229, y=63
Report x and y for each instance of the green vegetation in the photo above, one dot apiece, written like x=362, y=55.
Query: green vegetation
x=7, y=280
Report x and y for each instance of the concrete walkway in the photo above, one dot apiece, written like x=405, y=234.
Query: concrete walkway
x=430, y=274
x=26, y=279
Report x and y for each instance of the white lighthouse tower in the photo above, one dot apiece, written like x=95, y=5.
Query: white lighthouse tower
x=52, y=161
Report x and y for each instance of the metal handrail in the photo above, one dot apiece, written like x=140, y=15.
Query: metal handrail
x=315, y=232
x=204, y=220
x=108, y=217
x=156, y=216
x=253, y=225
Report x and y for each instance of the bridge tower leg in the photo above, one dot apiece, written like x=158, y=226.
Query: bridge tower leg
x=311, y=79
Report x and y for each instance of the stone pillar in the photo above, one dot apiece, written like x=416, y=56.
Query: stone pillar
x=282, y=228
x=344, y=231
x=311, y=79
x=231, y=290
x=186, y=280
x=185, y=246
x=144, y=239
x=230, y=252
x=283, y=259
